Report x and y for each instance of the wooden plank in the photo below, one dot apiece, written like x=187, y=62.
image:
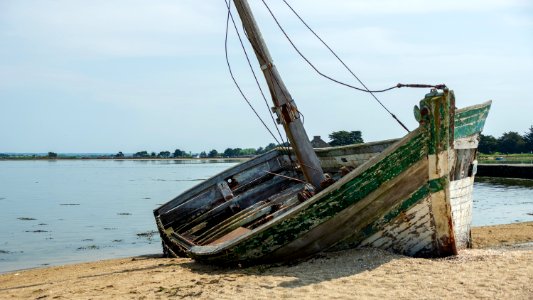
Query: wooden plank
x=464, y=164
x=363, y=148
x=471, y=120
x=442, y=218
x=473, y=109
x=197, y=204
x=469, y=142
x=410, y=233
x=355, y=155
x=237, y=222
x=243, y=200
x=225, y=190
x=232, y=235
x=461, y=203
x=270, y=156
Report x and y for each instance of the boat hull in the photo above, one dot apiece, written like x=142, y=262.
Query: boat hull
x=411, y=196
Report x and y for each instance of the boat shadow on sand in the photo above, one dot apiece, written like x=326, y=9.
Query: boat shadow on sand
x=319, y=268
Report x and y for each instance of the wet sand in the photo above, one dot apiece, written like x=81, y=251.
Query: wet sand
x=502, y=235
x=505, y=269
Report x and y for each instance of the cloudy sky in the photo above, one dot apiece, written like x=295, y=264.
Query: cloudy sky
x=107, y=76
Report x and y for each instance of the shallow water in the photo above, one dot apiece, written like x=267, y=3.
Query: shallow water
x=502, y=201
x=56, y=212
x=66, y=211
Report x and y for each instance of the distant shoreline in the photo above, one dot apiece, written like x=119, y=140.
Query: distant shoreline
x=218, y=159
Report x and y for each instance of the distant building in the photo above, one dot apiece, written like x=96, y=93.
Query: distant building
x=317, y=142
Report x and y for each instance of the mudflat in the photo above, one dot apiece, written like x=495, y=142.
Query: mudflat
x=500, y=265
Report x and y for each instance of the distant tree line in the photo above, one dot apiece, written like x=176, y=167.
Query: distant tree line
x=509, y=143
x=238, y=152
x=337, y=138
x=178, y=153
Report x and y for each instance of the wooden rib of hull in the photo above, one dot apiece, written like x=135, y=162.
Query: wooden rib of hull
x=412, y=198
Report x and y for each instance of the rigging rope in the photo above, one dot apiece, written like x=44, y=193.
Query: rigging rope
x=342, y=62
x=284, y=145
x=252, y=69
x=273, y=78
x=233, y=77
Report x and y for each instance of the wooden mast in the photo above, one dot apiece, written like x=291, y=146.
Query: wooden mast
x=285, y=107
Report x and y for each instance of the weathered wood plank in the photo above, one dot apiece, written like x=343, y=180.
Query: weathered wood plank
x=211, y=197
x=234, y=234
x=273, y=155
x=461, y=202
x=471, y=120
x=411, y=233
x=464, y=164
x=364, y=148
x=469, y=142
x=242, y=200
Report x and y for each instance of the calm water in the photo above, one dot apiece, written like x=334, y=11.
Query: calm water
x=502, y=201
x=57, y=212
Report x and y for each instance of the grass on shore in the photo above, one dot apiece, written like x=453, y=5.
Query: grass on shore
x=521, y=158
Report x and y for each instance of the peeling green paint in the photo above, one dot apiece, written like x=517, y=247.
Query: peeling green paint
x=432, y=186
x=438, y=121
x=438, y=184
x=420, y=194
x=483, y=109
x=470, y=122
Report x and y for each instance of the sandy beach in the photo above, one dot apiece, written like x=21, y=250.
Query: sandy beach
x=500, y=265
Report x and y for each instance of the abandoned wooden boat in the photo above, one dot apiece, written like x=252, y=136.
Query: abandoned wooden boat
x=411, y=195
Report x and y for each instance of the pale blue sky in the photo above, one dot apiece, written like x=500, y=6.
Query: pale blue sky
x=107, y=76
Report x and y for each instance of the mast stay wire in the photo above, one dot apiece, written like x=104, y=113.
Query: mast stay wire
x=252, y=69
x=372, y=92
x=284, y=145
x=273, y=80
x=233, y=77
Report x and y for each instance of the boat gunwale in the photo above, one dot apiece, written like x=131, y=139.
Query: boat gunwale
x=354, y=146
x=473, y=107
x=476, y=116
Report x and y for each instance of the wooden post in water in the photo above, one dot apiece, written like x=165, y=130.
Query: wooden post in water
x=285, y=107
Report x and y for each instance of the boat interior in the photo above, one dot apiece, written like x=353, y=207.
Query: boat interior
x=253, y=193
